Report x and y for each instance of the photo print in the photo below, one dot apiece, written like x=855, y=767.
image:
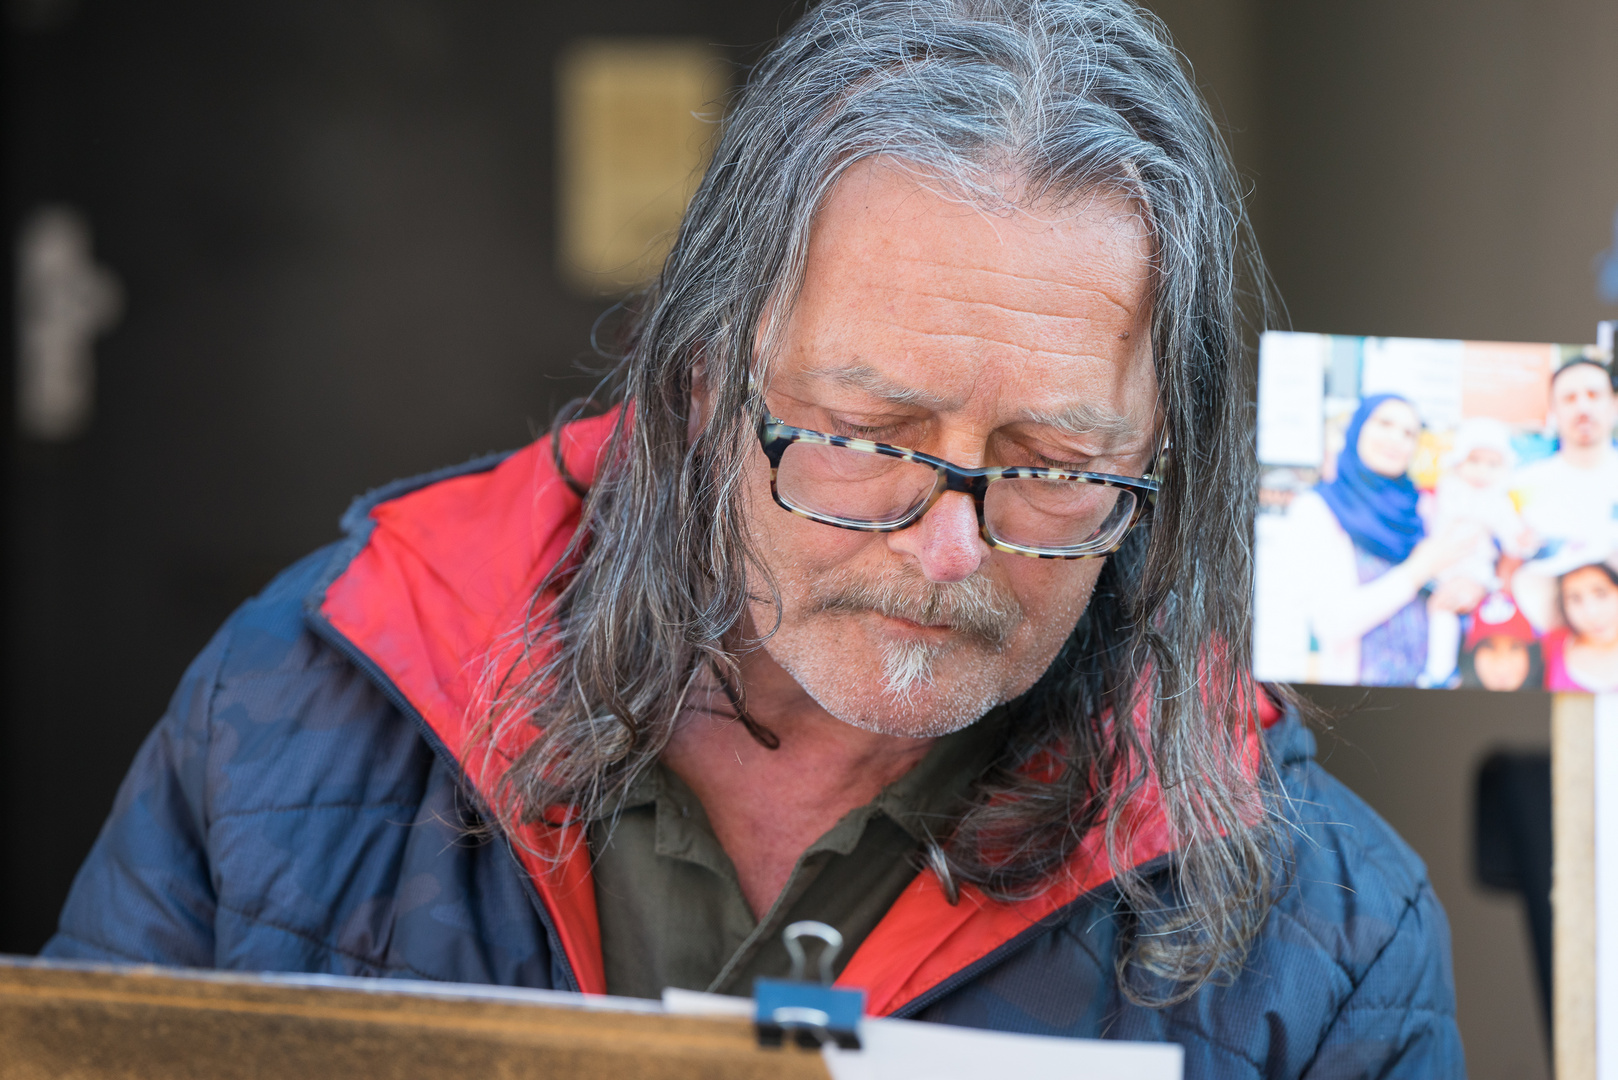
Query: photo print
x=1440, y=514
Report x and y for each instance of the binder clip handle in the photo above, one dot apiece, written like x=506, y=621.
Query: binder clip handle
x=804, y=1021
x=832, y=944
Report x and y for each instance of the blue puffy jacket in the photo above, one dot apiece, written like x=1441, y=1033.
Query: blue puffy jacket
x=302, y=806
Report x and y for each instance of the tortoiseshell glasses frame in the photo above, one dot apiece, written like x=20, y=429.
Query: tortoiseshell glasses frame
x=776, y=436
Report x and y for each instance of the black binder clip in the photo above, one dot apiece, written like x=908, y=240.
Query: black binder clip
x=817, y=1014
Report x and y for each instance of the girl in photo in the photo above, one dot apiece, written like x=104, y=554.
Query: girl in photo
x=1501, y=652
x=1582, y=654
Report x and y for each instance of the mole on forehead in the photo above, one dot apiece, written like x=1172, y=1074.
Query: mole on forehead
x=1076, y=418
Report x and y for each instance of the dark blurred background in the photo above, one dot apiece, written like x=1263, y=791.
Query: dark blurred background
x=333, y=225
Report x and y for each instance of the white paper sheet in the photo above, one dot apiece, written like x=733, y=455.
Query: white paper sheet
x=1291, y=386
x=1280, y=627
x=910, y=1050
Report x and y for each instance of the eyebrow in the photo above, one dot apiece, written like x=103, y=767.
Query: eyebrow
x=867, y=379
x=1083, y=418
x=1080, y=419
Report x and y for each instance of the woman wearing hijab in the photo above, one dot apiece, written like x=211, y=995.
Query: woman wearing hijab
x=1369, y=556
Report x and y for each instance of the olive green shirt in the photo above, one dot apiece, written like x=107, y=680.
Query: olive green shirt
x=671, y=907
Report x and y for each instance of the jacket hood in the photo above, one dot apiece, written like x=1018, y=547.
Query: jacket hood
x=436, y=600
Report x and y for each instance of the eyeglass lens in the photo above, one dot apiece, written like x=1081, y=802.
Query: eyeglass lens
x=858, y=488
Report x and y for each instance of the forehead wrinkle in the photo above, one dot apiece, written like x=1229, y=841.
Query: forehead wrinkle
x=1030, y=312
x=1019, y=346
x=1046, y=284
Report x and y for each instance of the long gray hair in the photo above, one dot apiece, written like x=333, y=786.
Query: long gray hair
x=1070, y=97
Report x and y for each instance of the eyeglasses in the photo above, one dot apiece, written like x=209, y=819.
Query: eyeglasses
x=874, y=487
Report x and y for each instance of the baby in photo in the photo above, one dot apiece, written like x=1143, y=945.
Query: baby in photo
x=1473, y=489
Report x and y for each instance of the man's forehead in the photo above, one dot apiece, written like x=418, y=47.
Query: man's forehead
x=1068, y=413
x=1581, y=377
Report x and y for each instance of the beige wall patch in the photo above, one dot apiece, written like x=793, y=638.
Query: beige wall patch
x=636, y=118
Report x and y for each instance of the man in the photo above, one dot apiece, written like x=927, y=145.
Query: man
x=1573, y=494
x=1569, y=501
x=906, y=591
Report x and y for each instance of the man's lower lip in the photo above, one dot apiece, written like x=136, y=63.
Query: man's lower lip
x=915, y=627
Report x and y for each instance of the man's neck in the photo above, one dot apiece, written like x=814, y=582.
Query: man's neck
x=767, y=806
x=1586, y=457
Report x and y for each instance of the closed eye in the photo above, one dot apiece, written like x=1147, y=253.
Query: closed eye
x=874, y=430
x=1027, y=455
x=1037, y=449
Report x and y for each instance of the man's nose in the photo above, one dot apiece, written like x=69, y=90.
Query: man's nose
x=946, y=541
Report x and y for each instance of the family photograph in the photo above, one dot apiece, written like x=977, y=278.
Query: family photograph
x=1439, y=514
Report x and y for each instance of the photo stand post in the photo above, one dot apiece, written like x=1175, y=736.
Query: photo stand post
x=1584, y=893
x=1573, y=889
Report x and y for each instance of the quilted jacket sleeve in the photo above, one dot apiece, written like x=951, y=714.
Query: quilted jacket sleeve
x=1400, y=1020
x=145, y=892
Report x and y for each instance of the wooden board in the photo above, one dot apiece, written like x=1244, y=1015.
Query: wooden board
x=1573, y=886
x=90, y=1023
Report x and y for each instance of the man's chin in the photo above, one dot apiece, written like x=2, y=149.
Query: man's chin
x=922, y=712
x=909, y=685
x=1586, y=435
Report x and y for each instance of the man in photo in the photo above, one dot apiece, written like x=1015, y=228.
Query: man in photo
x=904, y=586
x=1569, y=500
x=1573, y=494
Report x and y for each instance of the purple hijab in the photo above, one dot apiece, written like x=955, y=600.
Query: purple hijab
x=1378, y=512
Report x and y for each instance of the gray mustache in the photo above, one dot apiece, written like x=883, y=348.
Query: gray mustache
x=976, y=607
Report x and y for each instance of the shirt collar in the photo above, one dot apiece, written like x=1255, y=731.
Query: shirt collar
x=924, y=801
